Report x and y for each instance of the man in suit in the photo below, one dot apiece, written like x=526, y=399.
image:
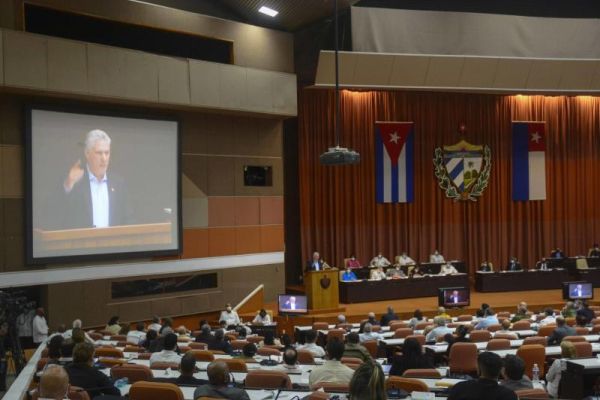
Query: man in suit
x=315, y=264
x=454, y=297
x=562, y=330
x=557, y=253
x=594, y=251
x=218, y=386
x=94, y=198
x=579, y=291
x=83, y=374
x=514, y=265
x=486, y=266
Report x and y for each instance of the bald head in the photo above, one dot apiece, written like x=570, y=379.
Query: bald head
x=54, y=383
x=218, y=373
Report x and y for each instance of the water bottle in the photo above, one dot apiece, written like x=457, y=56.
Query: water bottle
x=120, y=383
x=535, y=372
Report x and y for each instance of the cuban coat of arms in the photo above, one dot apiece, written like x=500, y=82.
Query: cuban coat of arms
x=462, y=169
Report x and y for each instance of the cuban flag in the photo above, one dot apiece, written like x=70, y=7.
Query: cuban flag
x=529, y=161
x=394, y=155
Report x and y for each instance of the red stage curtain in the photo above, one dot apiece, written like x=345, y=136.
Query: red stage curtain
x=339, y=215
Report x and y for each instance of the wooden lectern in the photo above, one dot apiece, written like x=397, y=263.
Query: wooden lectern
x=322, y=289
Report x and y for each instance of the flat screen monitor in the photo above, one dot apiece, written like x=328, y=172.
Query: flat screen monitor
x=101, y=185
x=293, y=304
x=578, y=290
x=454, y=297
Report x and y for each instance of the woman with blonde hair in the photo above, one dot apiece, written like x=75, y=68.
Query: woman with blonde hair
x=567, y=350
x=368, y=382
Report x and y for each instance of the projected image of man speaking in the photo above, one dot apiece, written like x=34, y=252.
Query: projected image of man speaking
x=95, y=197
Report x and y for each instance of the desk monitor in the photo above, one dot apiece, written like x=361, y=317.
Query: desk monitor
x=454, y=297
x=292, y=304
x=578, y=290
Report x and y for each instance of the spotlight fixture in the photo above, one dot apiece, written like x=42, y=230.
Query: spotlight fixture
x=268, y=11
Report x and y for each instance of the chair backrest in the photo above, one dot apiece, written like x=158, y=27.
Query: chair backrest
x=503, y=314
x=133, y=349
x=582, y=330
x=480, y=336
x=408, y=384
x=77, y=393
x=583, y=349
x=509, y=336
x=546, y=330
x=95, y=335
x=109, y=352
x=318, y=396
x=203, y=355
x=238, y=344
x=372, y=346
x=119, y=338
x=217, y=352
x=133, y=372
x=164, y=365
x=463, y=358
x=41, y=363
x=305, y=357
x=345, y=326
x=464, y=317
x=235, y=364
x=430, y=373
x=422, y=325
x=536, y=340
x=154, y=391
x=498, y=344
x=144, y=356
x=595, y=329
x=570, y=321
x=493, y=327
x=376, y=328
x=575, y=339
x=398, y=325
x=265, y=379
x=198, y=346
x=332, y=387
x=336, y=333
x=111, y=362
x=402, y=332
x=532, y=354
x=320, y=326
x=532, y=394
x=418, y=338
x=268, y=351
x=521, y=325
x=351, y=361
x=255, y=339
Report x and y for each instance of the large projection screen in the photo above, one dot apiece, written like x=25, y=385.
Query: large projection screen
x=101, y=186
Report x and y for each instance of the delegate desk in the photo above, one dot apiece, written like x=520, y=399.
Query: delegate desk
x=514, y=281
x=390, y=289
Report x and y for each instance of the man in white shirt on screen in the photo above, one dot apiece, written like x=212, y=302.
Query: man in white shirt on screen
x=436, y=257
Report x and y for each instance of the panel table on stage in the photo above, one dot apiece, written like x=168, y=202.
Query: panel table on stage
x=390, y=289
x=522, y=280
x=427, y=267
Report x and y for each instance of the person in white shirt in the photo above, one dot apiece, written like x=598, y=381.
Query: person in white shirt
x=25, y=328
x=290, y=362
x=395, y=273
x=554, y=374
x=40, y=327
x=368, y=334
x=230, y=316
x=436, y=257
x=168, y=355
x=155, y=325
x=377, y=274
x=380, y=261
x=137, y=336
x=439, y=331
x=311, y=338
x=332, y=371
x=59, y=332
x=405, y=260
x=262, y=318
x=448, y=269
x=54, y=383
x=549, y=317
x=77, y=324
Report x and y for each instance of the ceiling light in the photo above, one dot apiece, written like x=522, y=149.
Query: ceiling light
x=269, y=11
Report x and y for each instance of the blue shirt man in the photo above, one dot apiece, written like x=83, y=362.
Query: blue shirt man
x=349, y=276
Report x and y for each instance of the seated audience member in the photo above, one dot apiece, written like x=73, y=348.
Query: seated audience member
x=54, y=383
x=341, y=319
x=416, y=318
x=416, y=272
x=368, y=383
x=187, y=368
x=77, y=324
x=514, y=265
x=137, y=335
x=459, y=336
x=436, y=257
x=262, y=318
x=567, y=351
x=439, y=330
x=167, y=327
x=270, y=340
x=395, y=273
x=151, y=343
x=594, y=251
x=286, y=341
x=229, y=316
x=371, y=318
x=405, y=260
x=448, y=269
x=113, y=326
x=332, y=370
x=377, y=274
x=168, y=354
x=506, y=329
x=368, y=334
x=562, y=330
x=354, y=349
x=124, y=329
x=549, y=317
x=248, y=352
x=569, y=310
x=585, y=312
x=218, y=384
x=486, y=386
x=83, y=374
x=489, y=318
x=155, y=325
x=412, y=357
x=77, y=336
x=514, y=374
x=557, y=253
x=442, y=313
x=521, y=312
x=310, y=345
x=352, y=262
x=379, y=261
x=390, y=315
x=54, y=350
x=60, y=331
x=348, y=275
x=486, y=266
x=290, y=361
x=205, y=336
x=220, y=342
x=484, y=306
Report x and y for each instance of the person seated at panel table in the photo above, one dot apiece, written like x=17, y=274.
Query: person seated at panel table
x=557, y=253
x=416, y=272
x=436, y=257
x=447, y=269
x=395, y=273
x=262, y=318
x=348, y=275
x=594, y=251
x=514, y=265
x=379, y=261
x=486, y=266
x=405, y=260
x=377, y=274
x=353, y=262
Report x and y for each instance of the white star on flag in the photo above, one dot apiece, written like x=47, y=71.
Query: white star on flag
x=394, y=137
x=535, y=137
